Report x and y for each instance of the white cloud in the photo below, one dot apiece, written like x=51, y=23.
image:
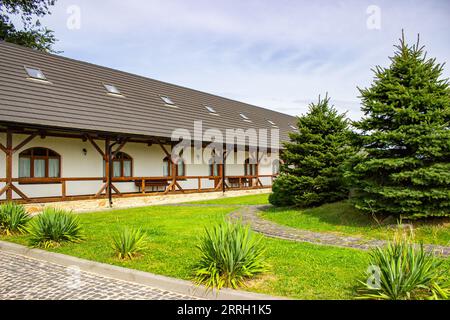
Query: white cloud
x=269, y=53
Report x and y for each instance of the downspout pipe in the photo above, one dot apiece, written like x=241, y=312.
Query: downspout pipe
x=110, y=173
x=223, y=168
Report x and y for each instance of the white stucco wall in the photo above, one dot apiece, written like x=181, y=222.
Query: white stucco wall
x=147, y=162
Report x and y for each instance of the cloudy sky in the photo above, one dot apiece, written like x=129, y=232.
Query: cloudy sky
x=277, y=54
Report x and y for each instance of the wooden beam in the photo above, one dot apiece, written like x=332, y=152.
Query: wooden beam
x=95, y=146
x=219, y=185
x=169, y=187
x=122, y=144
x=8, y=159
x=179, y=187
x=3, y=148
x=4, y=189
x=165, y=150
x=99, y=192
x=20, y=193
x=24, y=142
x=113, y=187
x=260, y=183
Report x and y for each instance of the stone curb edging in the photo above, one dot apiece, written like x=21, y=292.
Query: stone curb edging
x=135, y=276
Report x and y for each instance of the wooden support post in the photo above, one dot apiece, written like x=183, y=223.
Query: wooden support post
x=199, y=184
x=9, y=149
x=107, y=168
x=173, y=183
x=143, y=186
x=63, y=189
x=174, y=176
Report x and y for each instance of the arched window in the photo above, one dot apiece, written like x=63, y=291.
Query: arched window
x=276, y=166
x=181, y=168
x=214, y=169
x=39, y=163
x=250, y=168
x=122, y=165
x=167, y=167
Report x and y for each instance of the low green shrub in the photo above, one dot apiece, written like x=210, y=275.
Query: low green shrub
x=230, y=254
x=404, y=271
x=53, y=227
x=129, y=242
x=13, y=218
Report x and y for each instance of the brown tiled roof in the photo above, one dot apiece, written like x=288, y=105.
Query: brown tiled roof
x=75, y=98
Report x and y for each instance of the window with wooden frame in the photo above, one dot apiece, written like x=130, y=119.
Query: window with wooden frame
x=122, y=166
x=250, y=169
x=167, y=167
x=214, y=169
x=276, y=164
x=39, y=163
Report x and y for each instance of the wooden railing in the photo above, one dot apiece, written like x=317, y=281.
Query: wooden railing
x=242, y=181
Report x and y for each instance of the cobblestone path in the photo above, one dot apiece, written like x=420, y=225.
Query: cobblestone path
x=27, y=278
x=249, y=214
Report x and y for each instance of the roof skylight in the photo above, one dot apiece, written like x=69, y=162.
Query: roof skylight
x=293, y=127
x=272, y=123
x=243, y=116
x=111, y=89
x=167, y=100
x=210, y=109
x=34, y=73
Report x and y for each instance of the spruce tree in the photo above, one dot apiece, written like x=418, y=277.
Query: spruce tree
x=405, y=137
x=311, y=171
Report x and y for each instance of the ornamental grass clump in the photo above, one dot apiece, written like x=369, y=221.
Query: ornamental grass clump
x=128, y=243
x=13, y=218
x=53, y=227
x=404, y=271
x=230, y=254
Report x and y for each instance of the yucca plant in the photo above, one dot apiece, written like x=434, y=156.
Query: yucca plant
x=128, y=243
x=53, y=227
x=230, y=254
x=13, y=218
x=405, y=271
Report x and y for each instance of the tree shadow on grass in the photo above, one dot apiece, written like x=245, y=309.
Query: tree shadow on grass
x=332, y=214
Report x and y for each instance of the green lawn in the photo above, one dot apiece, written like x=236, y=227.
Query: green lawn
x=343, y=218
x=297, y=270
x=255, y=199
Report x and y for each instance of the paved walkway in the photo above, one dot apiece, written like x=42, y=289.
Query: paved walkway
x=249, y=214
x=27, y=278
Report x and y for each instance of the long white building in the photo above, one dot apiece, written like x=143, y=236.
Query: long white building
x=73, y=130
